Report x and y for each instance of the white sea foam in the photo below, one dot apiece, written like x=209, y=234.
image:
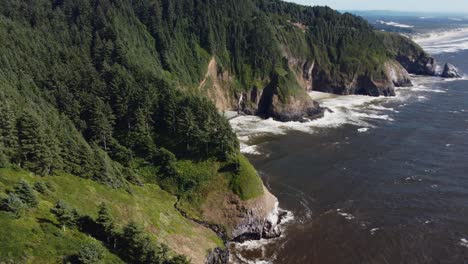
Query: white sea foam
x=444, y=41
x=349, y=109
x=464, y=242
x=260, y=245
x=394, y=24
x=347, y=216
x=362, y=130
x=252, y=150
x=358, y=110
x=374, y=230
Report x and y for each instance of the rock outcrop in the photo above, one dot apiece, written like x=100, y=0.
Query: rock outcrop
x=397, y=74
x=409, y=54
x=393, y=75
x=287, y=103
x=244, y=220
x=217, y=256
x=419, y=64
x=450, y=71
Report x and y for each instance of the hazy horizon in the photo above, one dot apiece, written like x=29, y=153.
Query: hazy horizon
x=412, y=6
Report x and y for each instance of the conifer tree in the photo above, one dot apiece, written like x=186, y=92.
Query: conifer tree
x=8, y=132
x=106, y=223
x=101, y=121
x=35, y=154
x=13, y=203
x=66, y=216
x=26, y=193
x=89, y=254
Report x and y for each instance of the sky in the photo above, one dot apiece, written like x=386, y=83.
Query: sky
x=455, y=6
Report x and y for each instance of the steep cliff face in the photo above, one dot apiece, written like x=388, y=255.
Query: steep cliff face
x=420, y=64
x=409, y=54
x=244, y=220
x=217, y=86
x=392, y=75
x=285, y=97
x=284, y=100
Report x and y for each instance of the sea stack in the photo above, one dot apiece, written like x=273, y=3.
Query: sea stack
x=450, y=71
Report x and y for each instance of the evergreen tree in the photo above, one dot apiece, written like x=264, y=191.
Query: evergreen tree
x=13, y=203
x=25, y=192
x=136, y=244
x=3, y=158
x=40, y=188
x=100, y=123
x=8, y=132
x=66, y=216
x=90, y=254
x=35, y=154
x=106, y=223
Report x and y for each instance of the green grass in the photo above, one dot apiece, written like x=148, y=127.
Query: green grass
x=35, y=237
x=246, y=183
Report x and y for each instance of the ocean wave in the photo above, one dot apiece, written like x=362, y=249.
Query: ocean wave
x=394, y=24
x=349, y=109
x=444, y=41
x=362, y=130
x=251, y=150
x=356, y=110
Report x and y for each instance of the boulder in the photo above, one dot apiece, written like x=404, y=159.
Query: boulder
x=450, y=71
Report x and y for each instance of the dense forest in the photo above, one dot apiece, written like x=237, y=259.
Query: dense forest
x=108, y=91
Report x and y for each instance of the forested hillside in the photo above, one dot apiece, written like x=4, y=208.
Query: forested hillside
x=120, y=93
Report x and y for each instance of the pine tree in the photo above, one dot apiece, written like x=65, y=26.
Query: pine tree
x=101, y=122
x=66, y=216
x=13, y=203
x=137, y=245
x=35, y=155
x=106, y=223
x=3, y=158
x=8, y=132
x=90, y=254
x=26, y=193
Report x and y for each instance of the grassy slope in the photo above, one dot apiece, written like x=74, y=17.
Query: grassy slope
x=34, y=238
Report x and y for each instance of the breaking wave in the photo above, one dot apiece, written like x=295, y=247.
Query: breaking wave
x=444, y=41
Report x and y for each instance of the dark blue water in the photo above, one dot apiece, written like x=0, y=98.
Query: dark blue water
x=395, y=194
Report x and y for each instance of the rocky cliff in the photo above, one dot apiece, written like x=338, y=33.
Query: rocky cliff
x=409, y=54
x=392, y=75
x=243, y=220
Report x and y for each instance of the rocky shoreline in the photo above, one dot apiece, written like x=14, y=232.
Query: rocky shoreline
x=250, y=220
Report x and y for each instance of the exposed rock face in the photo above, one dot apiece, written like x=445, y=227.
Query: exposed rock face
x=450, y=71
x=295, y=107
x=216, y=86
x=409, y=54
x=217, y=256
x=394, y=75
x=420, y=64
x=245, y=220
x=397, y=74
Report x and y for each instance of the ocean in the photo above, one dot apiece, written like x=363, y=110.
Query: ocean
x=377, y=180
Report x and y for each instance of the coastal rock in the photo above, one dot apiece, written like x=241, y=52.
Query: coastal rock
x=397, y=74
x=450, y=71
x=393, y=75
x=420, y=64
x=292, y=108
x=245, y=220
x=409, y=54
x=217, y=256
